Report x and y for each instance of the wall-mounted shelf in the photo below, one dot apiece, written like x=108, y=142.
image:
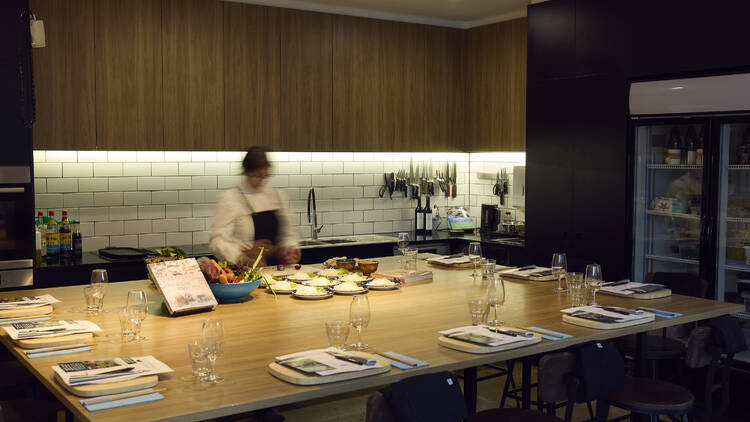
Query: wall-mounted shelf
x=672, y=259
x=675, y=215
x=675, y=166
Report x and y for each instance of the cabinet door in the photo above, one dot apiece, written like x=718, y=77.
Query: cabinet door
x=356, y=85
x=306, y=81
x=193, y=83
x=445, y=82
x=252, y=69
x=402, y=86
x=496, y=88
x=551, y=27
x=603, y=36
x=64, y=76
x=128, y=75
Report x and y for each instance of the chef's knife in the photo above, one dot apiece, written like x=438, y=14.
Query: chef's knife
x=411, y=170
x=447, y=179
x=455, y=180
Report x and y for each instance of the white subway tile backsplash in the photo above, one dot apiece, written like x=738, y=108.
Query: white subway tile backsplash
x=203, y=156
x=47, y=169
x=373, y=215
x=62, y=185
x=78, y=200
x=333, y=167
x=86, y=229
x=216, y=169
x=123, y=184
x=383, y=227
x=107, y=169
x=204, y=182
x=164, y=197
x=225, y=182
x=180, y=238
x=78, y=170
x=311, y=168
x=363, y=179
x=190, y=196
x=108, y=199
x=136, y=169
x=40, y=156
x=363, y=204
x=137, y=227
x=175, y=211
x=62, y=156
x=151, y=211
x=93, y=214
x=177, y=156
x=275, y=156
x=211, y=196
x=49, y=200
x=123, y=213
x=292, y=167
x=191, y=169
x=164, y=169
x=279, y=181
x=204, y=210
x=100, y=184
x=392, y=214
x=166, y=225
x=136, y=198
x=151, y=240
x=299, y=156
x=232, y=155
x=192, y=224
x=343, y=229
x=200, y=238
x=353, y=217
x=177, y=183
x=343, y=180
x=121, y=156
x=321, y=180
x=92, y=156
x=93, y=244
x=150, y=183
x=108, y=228
x=149, y=156
x=127, y=241
x=40, y=185
x=363, y=228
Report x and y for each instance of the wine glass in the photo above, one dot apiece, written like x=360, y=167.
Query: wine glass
x=212, y=344
x=559, y=268
x=594, y=279
x=474, y=252
x=99, y=280
x=495, y=298
x=359, y=318
x=403, y=243
x=137, y=306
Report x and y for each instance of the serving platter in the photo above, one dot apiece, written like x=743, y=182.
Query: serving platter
x=599, y=325
x=35, y=343
x=95, y=390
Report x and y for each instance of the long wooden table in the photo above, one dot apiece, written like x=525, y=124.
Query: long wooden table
x=404, y=321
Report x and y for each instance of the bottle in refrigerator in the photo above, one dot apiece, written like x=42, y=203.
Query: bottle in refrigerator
x=690, y=142
x=66, y=236
x=674, y=152
x=53, y=237
x=699, y=148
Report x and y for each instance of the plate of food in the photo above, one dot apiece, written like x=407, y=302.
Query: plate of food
x=300, y=276
x=320, y=282
x=349, y=288
x=282, y=287
x=332, y=273
x=354, y=278
x=311, y=293
x=383, y=284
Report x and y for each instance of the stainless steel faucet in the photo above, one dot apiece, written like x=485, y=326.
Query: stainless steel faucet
x=312, y=217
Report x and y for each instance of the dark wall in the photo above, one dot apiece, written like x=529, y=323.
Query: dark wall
x=581, y=56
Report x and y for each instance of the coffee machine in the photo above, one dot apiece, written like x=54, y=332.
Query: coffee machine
x=490, y=218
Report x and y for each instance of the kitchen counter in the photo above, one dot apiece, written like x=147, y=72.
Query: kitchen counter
x=469, y=237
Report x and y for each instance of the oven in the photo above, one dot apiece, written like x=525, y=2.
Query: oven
x=17, y=232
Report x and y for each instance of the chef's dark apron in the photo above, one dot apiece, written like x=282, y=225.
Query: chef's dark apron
x=266, y=227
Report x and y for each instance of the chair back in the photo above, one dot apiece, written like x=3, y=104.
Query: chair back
x=377, y=409
x=555, y=370
x=423, y=398
x=698, y=353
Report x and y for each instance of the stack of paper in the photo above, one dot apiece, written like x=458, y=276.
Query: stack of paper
x=108, y=370
x=50, y=328
x=632, y=288
x=26, y=302
x=319, y=362
x=606, y=314
x=483, y=336
x=450, y=260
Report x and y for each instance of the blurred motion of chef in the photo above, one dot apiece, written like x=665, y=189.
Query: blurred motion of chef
x=252, y=215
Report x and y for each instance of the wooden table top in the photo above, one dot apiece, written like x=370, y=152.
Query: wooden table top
x=404, y=321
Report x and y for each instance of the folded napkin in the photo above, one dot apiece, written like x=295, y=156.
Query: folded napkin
x=553, y=335
x=111, y=404
x=44, y=354
x=399, y=365
x=13, y=321
x=661, y=313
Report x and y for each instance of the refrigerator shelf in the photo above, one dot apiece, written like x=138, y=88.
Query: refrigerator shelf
x=739, y=167
x=675, y=215
x=737, y=219
x=675, y=166
x=672, y=259
x=736, y=265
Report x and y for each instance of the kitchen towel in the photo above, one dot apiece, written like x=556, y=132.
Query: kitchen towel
x=661, y=313
x=554, y=335
x=400, y=365
x=122, y=402
x=58, y=352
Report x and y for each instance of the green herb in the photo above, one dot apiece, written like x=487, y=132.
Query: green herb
x=312, y=275
x=172, y=251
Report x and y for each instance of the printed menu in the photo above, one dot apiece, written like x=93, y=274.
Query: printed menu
x=108, y=370
x=182, y=285
x=50, y=328
x=26, y=302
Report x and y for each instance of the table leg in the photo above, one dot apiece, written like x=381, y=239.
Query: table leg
x=470, y=389
x=526, y=383
x=640, y=359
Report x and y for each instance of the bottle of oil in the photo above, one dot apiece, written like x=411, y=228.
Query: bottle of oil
x=66, y=237
x=53, y=238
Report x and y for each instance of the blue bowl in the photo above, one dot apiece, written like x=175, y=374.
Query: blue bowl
x=233, y=292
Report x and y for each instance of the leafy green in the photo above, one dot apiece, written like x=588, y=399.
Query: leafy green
x=171, y=251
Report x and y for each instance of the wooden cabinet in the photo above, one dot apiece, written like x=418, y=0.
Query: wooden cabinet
x=64, y=76
x=252, y=62
x=496, y=88
x=128, y=74
x=193, y=83
x=445, y=89
x=357, y=85
x=306, y=81
x=402, y=86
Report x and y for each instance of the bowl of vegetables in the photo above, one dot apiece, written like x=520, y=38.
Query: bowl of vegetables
x=228, y=282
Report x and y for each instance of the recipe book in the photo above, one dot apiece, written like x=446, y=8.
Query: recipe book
x=319, y=362
x=108, y=370
x=25, y=302
x=50, y=328
x=483, y=336
x=183, y=286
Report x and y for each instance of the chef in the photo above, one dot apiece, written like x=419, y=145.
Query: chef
x=251, y=216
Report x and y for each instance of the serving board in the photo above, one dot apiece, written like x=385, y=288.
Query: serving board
x=95, y=390
x=456, y=266
x=35, y=343
x=642, y=296
x=467, y=347
x=298, y=378
x=528, y=278
x=605, y=325
x=14, y=313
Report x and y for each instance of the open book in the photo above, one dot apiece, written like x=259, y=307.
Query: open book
x=49, y=328
x=182, y=285
x=108, y=370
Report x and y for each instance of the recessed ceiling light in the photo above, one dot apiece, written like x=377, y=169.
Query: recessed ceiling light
x=677, y=87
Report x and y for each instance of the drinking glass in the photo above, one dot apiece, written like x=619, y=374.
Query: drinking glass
x=410, y=259
x=197, y=359
x=127, y=326
x=488, y=268
x=559, y=267
x=212, y=345
x=474, y=252
x=577, y=290
x=403, y=243
x=359, y=318
x=138, y=306
x=94, y=296
x=496, y=298
x=99, y=276
x=337, y=332
x=594, y=279
x=479, y=308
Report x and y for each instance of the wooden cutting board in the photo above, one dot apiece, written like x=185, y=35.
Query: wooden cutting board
x=95, y=390
x=605, y=325
x=35, y=343
x=24, y=312
x=463, y=346
x=658, y=294
x=298, y=378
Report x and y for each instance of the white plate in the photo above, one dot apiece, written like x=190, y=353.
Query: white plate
x=331, y=283
x=312, y=297
x=393, y=287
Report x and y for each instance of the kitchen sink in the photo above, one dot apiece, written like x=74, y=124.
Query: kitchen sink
x=337, y=241
x=310, y=243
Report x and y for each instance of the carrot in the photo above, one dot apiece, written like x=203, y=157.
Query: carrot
x=238, y=278
x=218, y=267
x=223, y=279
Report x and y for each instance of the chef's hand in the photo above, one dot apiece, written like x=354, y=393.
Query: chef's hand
x=250, y=254
x=291, y=255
